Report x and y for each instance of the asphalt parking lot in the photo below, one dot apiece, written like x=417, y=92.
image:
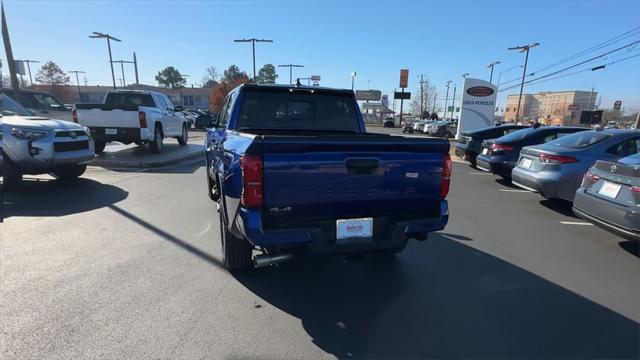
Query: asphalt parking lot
x=127, y=265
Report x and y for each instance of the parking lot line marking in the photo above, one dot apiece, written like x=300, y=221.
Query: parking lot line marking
x=574, y=223
x=479, y=173
x=515, y=190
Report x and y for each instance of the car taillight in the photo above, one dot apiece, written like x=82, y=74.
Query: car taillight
x=557, y=159
x=142, y=117
x=74, y=115
x=251, y=181
x=500, y=147
x=589, y=176
x=446, y=176
x=635, y=189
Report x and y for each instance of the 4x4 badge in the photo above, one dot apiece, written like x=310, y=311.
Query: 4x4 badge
x=614, y=168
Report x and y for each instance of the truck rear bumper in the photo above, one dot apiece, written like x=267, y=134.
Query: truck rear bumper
x=388, y=233
x=122, y=134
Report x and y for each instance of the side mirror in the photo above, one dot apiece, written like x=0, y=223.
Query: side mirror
x=178, y=108
x=204, y=121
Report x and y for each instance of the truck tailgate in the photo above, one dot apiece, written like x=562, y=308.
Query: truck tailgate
x=108, y=116
x=340, y=177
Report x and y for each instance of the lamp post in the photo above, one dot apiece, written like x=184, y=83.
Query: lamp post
x=291, y=66
x=353, y=77
x=498, y=85
x=523, y=48
x=78, y=82
x=99, y=35
x=253, y=42
x=491, y=66
x=122, y=62
x=446, y=100
x=182, y=98
x=29, y=68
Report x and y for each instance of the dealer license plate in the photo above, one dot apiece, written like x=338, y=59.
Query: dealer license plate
x=526, y=163
x=111, y=131
x=485, y=151
x=354, y=228
x=610, y=189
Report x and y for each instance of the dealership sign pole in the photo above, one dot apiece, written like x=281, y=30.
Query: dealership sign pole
x=404, y=81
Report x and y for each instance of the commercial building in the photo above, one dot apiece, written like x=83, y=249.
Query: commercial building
x=551, y=107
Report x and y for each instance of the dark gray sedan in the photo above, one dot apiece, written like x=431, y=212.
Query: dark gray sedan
x=610, y=196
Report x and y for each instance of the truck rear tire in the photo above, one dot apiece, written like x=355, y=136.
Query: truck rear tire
x=182, y=140
x=99, y=146
x=69, y=171
x=11, y=175
x=156, y=145
x=236, y=252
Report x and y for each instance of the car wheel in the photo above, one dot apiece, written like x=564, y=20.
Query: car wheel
x=212, y=186
x=182, y=140
x=11, y=175
x=69, y=171
x=236, y=252
x=157, y=144
x=99, y=146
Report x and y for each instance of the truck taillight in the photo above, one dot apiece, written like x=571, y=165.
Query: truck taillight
x=251, y=181
x=143, y=119
x=74, y=116
x=446, y=176
x=557, y=159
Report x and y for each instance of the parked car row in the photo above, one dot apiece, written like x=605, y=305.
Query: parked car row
x=437, y=128
x=597, y=170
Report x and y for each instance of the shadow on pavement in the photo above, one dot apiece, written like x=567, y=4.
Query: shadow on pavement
x=165, y=235
x=58, y=198
x=560, y=206
x=632, y=247
x=506, y=182
x=188, y=168
x=441, y=299
x=456, y=237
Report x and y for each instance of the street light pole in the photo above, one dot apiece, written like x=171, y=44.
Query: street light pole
x=453, y=102
x=291, y=66
x=446, y=100
x=491, y=66
x=353, y=77
x=524, y=71
x=253, y=42
x=99, y=35
x=78, y=82
x=498, y=85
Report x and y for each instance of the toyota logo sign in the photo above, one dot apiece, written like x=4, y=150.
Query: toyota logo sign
x=480, y=91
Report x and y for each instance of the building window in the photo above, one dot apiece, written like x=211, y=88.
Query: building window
x=188, y=100
x=198, y=99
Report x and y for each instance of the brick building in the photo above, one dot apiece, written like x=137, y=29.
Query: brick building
x=551, y=107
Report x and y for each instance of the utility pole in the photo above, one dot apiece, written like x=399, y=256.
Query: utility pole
x=453, y=103
x=435, y=93
x=122, y=62
x=421, y=95
x=353, y=77
x=523, y=48
x=446, y=100
x=589, y=107
x=498, y=85
x=78, y=82
x=182, y=98
x=491, y=66
x=253, y=42
x=135, y=67
x=8, y=50
x=99, y=35
x=291, y=66
x=28, y=62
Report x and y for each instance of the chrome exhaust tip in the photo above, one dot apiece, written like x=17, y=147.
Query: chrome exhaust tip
x=266, y=259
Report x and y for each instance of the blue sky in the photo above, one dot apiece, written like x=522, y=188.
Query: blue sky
x=441, y=39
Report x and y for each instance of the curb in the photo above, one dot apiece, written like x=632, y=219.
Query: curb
x=116, y=164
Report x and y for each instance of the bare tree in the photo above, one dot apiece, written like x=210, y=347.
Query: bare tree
x=422, y=98
x=211, y=77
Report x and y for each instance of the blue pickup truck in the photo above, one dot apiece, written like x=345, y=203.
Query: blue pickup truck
x=293, y=171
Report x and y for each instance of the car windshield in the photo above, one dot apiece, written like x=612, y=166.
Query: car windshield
x=518, y=135
x=9, y=107
x=581, y=139
x=297, y=111
x=631, y=159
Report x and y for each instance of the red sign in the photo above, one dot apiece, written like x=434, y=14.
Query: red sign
x=479, y=91
x=404, y=78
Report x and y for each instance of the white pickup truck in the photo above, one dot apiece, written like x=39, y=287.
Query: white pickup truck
x=133, y=116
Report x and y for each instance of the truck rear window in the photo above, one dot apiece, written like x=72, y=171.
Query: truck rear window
x=297, y=111
x=129, y=99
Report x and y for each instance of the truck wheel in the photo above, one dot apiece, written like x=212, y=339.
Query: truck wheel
x=156, y=145
x=69, y=171
x=236, y=252
x=11, y=176
x=99, y=146
x=214, y=193
x=182, y=140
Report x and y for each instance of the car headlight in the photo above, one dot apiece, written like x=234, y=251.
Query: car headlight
x=26, y=134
